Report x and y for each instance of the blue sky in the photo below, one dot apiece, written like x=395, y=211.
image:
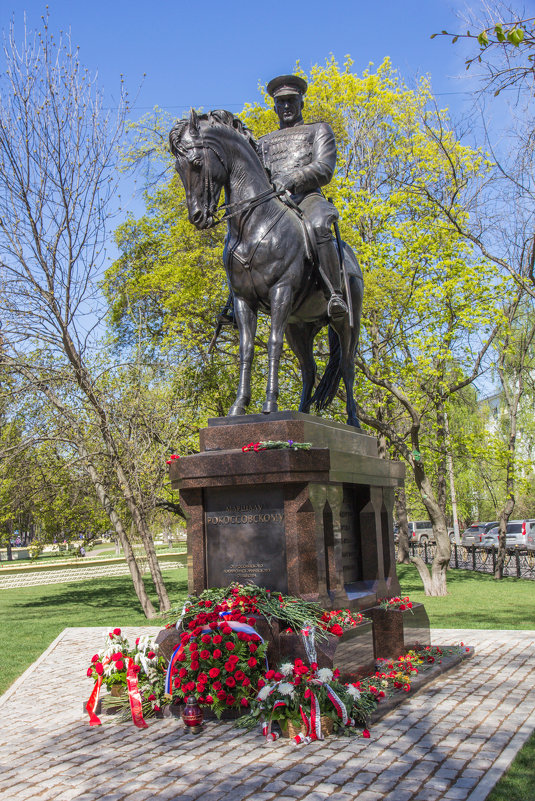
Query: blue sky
x=214, y=53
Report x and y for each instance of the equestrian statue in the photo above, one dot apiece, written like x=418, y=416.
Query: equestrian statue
x=280, y=255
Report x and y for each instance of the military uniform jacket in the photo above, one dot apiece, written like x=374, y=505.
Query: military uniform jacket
x=306, y=152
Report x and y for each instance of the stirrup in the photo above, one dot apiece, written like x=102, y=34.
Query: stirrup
x=226, y=318
x=337, y=307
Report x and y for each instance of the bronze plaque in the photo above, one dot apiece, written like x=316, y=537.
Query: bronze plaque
x=245, y=541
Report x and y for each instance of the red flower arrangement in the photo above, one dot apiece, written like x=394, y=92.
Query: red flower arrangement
x=111, y=665
x=398, y=674
x=221, y=659
x=336, y=620
x=396, y=603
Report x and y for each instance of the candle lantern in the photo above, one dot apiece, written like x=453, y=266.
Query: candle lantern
x=192, y=715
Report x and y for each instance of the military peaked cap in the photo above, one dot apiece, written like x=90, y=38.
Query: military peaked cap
x=287, y=85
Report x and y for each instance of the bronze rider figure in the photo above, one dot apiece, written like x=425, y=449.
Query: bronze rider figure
x=301, y=158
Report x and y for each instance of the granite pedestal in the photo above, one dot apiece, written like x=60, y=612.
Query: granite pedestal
x=316, y=524
x=352, y=653
x=396, y=631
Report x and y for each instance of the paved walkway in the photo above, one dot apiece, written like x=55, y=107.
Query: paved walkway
x=451, y=741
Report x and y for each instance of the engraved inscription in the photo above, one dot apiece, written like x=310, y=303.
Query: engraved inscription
x=226, y=519
x=245, y=541
x=248, y=570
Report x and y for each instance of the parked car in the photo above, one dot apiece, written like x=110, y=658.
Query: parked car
x=530, y=537
x=490, y=540
x=474, y=534
x=420, y=531
x=516, y=534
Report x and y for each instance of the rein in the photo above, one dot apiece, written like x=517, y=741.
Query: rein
x=233, y=209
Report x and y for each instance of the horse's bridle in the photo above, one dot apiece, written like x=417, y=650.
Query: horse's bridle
x=229, y=209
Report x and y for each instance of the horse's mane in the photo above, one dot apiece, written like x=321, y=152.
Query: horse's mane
x=216, y=117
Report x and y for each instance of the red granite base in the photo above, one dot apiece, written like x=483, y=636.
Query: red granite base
x=352, y=653
x=396, y=631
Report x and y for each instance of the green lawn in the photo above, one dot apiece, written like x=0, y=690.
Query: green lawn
x=474, y=600
x=477, y=601
x=518, y=784
x=34, y=616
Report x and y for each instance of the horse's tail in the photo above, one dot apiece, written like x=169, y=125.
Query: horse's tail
x=330, y=380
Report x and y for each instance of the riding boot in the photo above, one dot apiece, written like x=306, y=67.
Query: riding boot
x=330, y=264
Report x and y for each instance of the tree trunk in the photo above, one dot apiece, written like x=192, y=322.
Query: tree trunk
x=134, y=507
x=137, y=578
x=8, y=542
x=400, y=506
x=441, y=467
x=505, y=514
x=509, y=505
x=434, y=581
x=451, y=476
x=139, y=521
x=511, y=369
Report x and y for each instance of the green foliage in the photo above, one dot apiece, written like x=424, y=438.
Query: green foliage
x=43, y=488
x=424, y=289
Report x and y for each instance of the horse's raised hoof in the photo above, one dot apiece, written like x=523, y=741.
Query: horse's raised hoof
x=269, y=407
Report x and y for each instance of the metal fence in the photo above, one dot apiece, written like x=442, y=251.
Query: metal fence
x=519, y=563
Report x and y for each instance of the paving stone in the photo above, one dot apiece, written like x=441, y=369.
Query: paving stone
x=399, y=795
x=438, y=746
x=457, y=793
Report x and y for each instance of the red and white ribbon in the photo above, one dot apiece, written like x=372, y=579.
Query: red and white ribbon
x=315, y=719
x=93, y=698
x=134, y=696
x=338, y=704
x=91, y=705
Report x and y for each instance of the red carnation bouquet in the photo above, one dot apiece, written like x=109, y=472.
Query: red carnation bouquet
x=396, y=603
x=111, y=664
x=221, y=660
x=301, y=694
x=336, y=620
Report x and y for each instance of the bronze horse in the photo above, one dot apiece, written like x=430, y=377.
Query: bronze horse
x=268, y=260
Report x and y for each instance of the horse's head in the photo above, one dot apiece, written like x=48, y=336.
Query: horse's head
x=200, y=162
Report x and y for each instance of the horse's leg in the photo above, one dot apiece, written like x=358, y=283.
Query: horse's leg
x=349, y=338
x=246, y=319
x=280, y=302
x=300, y=337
